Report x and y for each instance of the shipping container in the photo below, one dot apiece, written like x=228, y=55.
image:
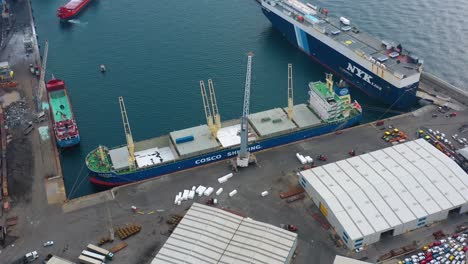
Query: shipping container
x=109, y=255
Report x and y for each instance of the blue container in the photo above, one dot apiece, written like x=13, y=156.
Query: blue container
x=183, y=139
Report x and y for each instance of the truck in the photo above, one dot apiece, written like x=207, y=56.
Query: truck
x=109, y=255
x=93, y=255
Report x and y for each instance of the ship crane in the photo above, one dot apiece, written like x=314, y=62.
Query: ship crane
x=244, y=157
x=290, y=93
x=214, y=105
x=128, y=135
x=206, y=106
x=42, y=87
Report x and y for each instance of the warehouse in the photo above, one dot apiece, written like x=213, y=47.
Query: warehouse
x=345, y=260
x=387, y=192
x=211, y=235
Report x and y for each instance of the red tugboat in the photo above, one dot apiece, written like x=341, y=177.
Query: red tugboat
x=71, y=9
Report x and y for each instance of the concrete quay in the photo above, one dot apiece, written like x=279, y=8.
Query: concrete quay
x=38, y=196
x=85, y=220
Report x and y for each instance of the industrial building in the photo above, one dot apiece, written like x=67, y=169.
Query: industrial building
x=211, y=235
x=345, y=260
x=58, y=260
x=387, y=192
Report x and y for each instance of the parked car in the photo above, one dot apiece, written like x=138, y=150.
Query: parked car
x=48, y=243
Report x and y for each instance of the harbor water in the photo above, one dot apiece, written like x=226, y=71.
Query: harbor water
x=155, y=53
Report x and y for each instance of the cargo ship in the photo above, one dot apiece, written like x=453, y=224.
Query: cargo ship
x=380, y=68
x=71, y=9
x=64, y=124
x=329, y=108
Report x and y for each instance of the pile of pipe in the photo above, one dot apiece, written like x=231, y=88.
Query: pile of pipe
x=304, y=160
x=225, y=178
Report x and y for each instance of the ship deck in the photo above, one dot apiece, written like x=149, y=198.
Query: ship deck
x=271, y=122
x=161, y=149
x=358, y=42
x=229, y=135
x=304, y=117
x=60, y=106
x=202, y=141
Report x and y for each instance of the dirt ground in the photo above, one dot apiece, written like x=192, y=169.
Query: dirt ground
x=20, y=170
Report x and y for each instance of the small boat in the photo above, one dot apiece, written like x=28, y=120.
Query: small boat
x=102, y=68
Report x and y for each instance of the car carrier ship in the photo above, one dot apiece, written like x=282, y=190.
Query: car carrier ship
x=325, y=112
x=381, y=69
x=64, y=123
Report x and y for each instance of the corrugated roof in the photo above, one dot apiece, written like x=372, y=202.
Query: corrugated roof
x=377, y=191
x=59, y=260
x=345, y=260
x=463, y=152
x=211, y=235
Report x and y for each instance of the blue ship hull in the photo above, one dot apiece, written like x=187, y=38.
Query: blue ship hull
x=67, y=143
x=336, y=62
x=114, y=179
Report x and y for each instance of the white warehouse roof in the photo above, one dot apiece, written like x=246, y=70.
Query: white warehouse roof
x=377, y=191
x=346, y=260
x=211, y=235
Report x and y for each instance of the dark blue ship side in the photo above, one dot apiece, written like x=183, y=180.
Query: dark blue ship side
x=68, y=142
x=352, y=73
x=115, y=179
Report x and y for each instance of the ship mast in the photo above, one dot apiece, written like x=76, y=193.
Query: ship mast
x=128, y=134
x=206, y=106
x=214, y=105
x=290, y=93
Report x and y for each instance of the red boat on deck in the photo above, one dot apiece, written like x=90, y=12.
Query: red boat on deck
x=71, y=9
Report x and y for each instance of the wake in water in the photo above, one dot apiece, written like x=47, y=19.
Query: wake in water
x=77, y=21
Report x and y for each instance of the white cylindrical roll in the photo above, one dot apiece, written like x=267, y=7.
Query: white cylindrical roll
x=208, y=191
x=231, y=194
x=222, y=179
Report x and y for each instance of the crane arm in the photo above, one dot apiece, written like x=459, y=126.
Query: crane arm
x=42, y=87
x=214, y=105
x=128, y=134
x=206, y=106
x=290, y=92
x=243, y=152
